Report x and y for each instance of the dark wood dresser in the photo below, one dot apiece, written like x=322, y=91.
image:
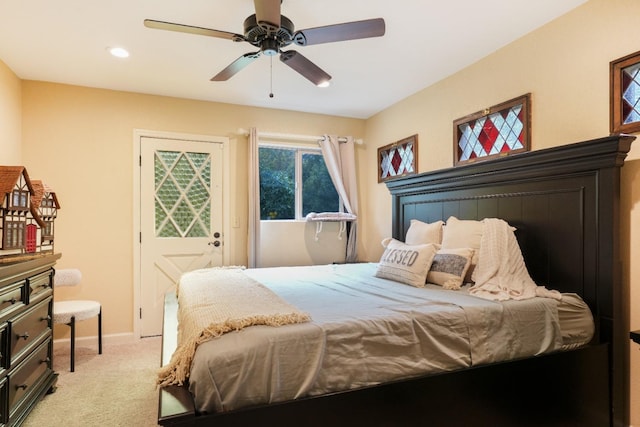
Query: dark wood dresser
x=26, y=336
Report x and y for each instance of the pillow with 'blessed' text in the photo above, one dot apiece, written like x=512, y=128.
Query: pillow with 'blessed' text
x=407, y=264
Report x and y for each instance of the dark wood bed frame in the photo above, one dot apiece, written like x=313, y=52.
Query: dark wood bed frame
x=564, y=202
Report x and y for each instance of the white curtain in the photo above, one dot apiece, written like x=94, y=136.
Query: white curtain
x=254, y=201
x=341, y=163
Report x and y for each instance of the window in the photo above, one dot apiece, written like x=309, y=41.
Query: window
x=19, y=199
x=625, y=94
x=47, y=231
x=294, y=181
x=496, y=131
x=13, y=235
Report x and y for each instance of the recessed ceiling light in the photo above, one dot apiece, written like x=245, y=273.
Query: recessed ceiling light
x=118, y=52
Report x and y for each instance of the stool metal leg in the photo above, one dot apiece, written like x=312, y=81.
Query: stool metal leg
x=72, y=324
x=100, y=331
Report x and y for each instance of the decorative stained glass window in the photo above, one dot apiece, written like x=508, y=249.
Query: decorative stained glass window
x=625, y=94
x=182, y=194
x=496, y=131
x=398, y=159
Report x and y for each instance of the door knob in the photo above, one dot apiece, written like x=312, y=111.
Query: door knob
x=215, y=243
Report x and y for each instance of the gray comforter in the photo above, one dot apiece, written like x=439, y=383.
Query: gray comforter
x=364, y=331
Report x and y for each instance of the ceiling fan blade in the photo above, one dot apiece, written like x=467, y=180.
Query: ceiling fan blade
x=340, y=32
x=306, y=68
x=268, y=14
x=170, y=26
x=235, y=66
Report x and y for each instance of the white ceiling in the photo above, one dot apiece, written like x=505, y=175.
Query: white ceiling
x=66, y=41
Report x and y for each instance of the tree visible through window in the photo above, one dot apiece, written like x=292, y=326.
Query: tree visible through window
x=284, y=170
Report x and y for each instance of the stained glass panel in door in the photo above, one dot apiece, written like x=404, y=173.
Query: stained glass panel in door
x=182, y=194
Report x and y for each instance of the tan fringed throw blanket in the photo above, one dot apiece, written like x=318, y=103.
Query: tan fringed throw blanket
x=214, y=301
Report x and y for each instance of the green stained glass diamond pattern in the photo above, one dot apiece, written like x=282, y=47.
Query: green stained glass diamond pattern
x=183, y=194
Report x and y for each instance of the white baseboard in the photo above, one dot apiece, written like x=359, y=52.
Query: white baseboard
x=111, y=339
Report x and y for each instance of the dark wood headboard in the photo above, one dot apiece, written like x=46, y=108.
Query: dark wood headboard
x=564, y=202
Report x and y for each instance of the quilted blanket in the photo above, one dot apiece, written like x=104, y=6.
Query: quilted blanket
x=220, y=303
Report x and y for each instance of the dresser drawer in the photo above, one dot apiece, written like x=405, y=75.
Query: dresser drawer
x=40, y=286
x=12, y=298
x=4, y=415
x=4, y=349
x=26, y=329
x=28, y=375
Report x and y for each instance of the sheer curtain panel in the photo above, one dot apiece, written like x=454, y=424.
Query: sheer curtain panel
x=254, y=201
x=341, y=164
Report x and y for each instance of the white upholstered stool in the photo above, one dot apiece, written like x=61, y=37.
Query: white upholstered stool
x=68, y=312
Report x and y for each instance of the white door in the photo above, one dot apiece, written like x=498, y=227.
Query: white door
x=180, y=218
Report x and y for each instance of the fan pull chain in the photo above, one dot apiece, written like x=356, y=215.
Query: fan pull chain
x=271, y=77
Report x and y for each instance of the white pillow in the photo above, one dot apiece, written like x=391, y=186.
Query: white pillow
x=422, y=232
x=449, y=267
x=463, y=234
x=406, y=263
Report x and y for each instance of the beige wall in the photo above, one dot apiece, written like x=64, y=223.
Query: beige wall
x=565, y=66
x=10, y=117
x=80, y=141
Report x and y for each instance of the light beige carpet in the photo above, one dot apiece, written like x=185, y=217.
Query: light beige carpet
x=115, y=388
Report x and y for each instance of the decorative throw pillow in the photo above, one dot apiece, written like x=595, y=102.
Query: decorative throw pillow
x=421, y=232
x=449, y=267
x=406, y=263
x=463, y=234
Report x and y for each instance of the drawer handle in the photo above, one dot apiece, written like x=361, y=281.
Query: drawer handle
x=24, y=336
x=13, y=300
x=45, y=360
x=42, y=319
x=22, y=386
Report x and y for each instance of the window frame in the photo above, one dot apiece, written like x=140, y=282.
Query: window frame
x=616, y=121
x=524, y=101
x=14, y=235
x=300, y=150
x=22, y=199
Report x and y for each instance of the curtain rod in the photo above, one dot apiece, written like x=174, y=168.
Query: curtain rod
x=287, y=136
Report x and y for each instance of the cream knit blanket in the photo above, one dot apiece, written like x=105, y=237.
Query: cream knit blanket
x=214, y=301
x=501, y=273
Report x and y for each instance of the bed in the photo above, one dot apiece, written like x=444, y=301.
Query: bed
x=563, y=203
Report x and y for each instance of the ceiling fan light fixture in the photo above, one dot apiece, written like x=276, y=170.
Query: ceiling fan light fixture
x=118, y=52
x=325, y=83
x=270, y=47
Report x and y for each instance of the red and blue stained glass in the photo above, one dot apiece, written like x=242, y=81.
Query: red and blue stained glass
x=398, y=159
x=631, y=94
x=493, y=134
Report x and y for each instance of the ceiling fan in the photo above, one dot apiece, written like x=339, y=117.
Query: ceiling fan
x=271, y=31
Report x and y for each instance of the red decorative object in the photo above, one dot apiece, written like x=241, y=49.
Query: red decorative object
x=496, y=131
x=398, y=159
